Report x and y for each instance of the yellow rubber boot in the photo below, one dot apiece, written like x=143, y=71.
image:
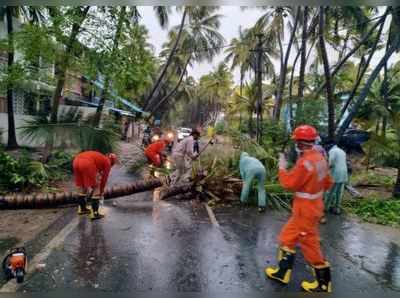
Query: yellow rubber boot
x=322, y=282
x=96, y=212
x=82, y=208
x=283, y=272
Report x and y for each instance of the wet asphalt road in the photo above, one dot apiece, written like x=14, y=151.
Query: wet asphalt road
x=145, y=245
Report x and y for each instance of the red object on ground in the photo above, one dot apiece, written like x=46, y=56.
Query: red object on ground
x=87, y=165
x=305, y=133
x=153, y=152
x=309, y=179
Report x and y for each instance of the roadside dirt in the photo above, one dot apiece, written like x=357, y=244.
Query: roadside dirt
x=20, y=226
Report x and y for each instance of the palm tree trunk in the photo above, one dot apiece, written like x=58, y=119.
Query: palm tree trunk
x=166, y=97
x=107, y=80
x=384, y=91
x=303, y=50
x=363, y=71
x=291, y=80
x=350, y=54
x=64, y=63
x=364, y=92
x=282, y=79
x=168, y=62
x=290, y=103
x=328, y=78
x=304, y=59
x=51, y=200
x=12, y=138
x=250, y=124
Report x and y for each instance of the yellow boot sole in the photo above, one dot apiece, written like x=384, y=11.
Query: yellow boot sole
x=87, y=211
x=311, y=287
x=271, y=271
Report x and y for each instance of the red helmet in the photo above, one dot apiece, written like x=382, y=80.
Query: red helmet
x=113, y=158
x=305, y=133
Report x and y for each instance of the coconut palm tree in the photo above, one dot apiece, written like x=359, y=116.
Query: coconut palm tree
x=393, y=46
x=328, y=79
x=199, y=40
x=78, y=16
x=240, y=54
x=31, y=14
x=274, y=24
x=126, y=17
x=217, y=88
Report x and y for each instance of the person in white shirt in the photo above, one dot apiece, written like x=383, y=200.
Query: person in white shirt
x=183, y=150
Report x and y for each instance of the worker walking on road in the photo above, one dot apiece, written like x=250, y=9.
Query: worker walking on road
x=183, y=150
x=252, y=169
x=308, y=179
x=87, y=166
x=338, y=167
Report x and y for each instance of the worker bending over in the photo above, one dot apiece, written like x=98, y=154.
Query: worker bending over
x=87, y=166
x=250, y=169
x=183, y=150
x=308, y=179
x=155, y=152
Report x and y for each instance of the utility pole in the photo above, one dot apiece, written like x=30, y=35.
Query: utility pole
x=258, y=78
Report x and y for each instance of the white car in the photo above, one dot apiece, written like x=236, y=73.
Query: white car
x=183, y=132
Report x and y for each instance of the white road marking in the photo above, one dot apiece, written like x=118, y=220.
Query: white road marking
x=58, y=240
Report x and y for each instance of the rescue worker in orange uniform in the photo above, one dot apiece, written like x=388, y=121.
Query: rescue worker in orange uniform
x=155, y=151
x=308, y=179
x=88, y=166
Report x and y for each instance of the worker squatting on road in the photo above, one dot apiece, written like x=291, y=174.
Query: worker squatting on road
x=155, y=151
x=183, y=150
x=87, y=166
x=252, y=169
x=308, y=179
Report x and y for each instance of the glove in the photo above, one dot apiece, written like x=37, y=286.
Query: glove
x=282, y=162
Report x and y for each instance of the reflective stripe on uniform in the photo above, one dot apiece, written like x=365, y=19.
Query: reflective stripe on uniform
x=309, y=196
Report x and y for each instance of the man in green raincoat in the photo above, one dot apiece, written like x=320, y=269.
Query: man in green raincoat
x=250, y=169
x=338, y=168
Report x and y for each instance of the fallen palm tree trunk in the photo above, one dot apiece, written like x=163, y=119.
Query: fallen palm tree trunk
x=181, y=197
x=173, y=191
x=48, y=200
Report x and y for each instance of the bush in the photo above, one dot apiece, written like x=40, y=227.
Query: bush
x=372, y=178
x=386, y=212
x=59, y=165
x=24, y=173
x=220, y=127
x=21, y=174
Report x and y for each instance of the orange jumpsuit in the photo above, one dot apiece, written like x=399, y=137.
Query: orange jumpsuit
x=309, y=179
x=87, y=165
x=153, y=152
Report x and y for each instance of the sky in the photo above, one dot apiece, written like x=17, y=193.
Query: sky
x=233, y=18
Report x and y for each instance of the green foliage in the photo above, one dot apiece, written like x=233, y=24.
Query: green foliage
x=383, y=150
x=25, y=174
x=59, y=165
x=220, y=127
x=314, y=107
x=376, y=210
x=371, y=178
x=72, y=130
x=20, y=174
